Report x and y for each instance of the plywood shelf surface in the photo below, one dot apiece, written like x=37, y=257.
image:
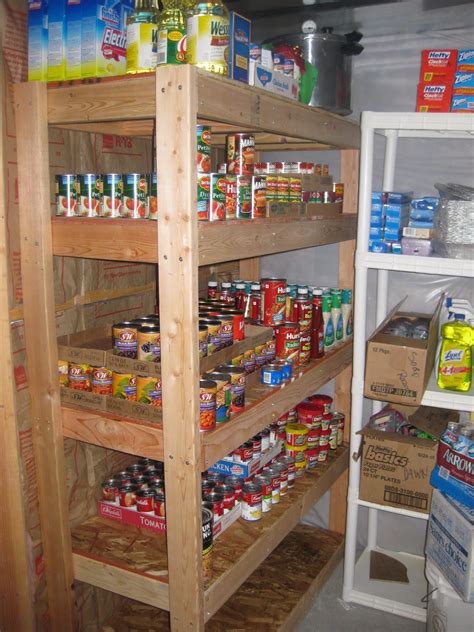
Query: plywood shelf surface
x=136, y=240
x=270, y=600
x=132, y=561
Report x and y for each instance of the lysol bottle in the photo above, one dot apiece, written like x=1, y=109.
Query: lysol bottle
x=142, y=36
x=208, y=37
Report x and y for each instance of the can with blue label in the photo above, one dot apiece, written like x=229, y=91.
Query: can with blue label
x=272, y=375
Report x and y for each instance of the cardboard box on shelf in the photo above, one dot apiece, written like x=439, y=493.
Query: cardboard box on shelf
x=273, y=81
x=450, y=542
x=463, y=104
x=438, y=64
x=466, y=60
x=395, y=469
x=463, y=84
x=229, y=467
x=434, y=97
x=239, y=45
x=397, y=368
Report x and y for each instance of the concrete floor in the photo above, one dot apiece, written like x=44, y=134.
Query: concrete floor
x=330, y=614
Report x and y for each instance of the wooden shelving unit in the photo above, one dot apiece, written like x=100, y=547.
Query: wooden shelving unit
x=166, y=572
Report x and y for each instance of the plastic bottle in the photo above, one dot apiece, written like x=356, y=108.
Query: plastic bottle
x=226, y=292
x=171, y=35
x=317, y=325
x=208, y=37
x=459, y=306
x=346, y=308
x=328, y=324
x=212, y=290
x=142, y=33
x=455, y=361
x=336, y=316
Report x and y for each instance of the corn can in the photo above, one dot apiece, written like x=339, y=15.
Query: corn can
x=124, y=386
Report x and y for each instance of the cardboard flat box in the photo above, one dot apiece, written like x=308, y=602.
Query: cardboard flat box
x=113, y=405
x=450, y=542
x=322, y=210
x=273, y=81
x=463, y=104
x=285, y=209
x=434, y=97
x=466, y=60
x=463, y=83
x=397, y=369
x=37, y=40
x=396, y=469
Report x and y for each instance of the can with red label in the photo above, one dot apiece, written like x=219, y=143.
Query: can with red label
x=244, y=197
x=257, y=446
x=338, y=188
x=79, y=376
x=159, y=502
x=313, y=438
x=238, y=323
x=110, y=490
x=230, y=197
x=289, y=462
x=237, y=483
x=229, y=496
x=244, y=453
x=145, y=500
x=312, y=458
x=340, y=417
x=287, y=343
x=203, y=196
x=322, y=400
x=217, y=195
x=295, y=189
x=273, y=301
x=265, y=482
x=240, y=152
x=207, y=405
x=259, y=196
x=326, y=420
x=260, y=168
x=101, y=380
x=272, y=187
x=217, y=500
x=252, y=502
x=324, y=445
x=305, y=347
x=275, y=475
x=128, y=496
x=203, y=141
x=134, y=195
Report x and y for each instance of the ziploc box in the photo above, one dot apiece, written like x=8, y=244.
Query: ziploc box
x=104, y=37
x=466, y=60
x=73, y=39
x=239, y=46
x=450, y=542
x=463, y=104
x=37, y=40
x=463, y=83
x=438, y=66
x=56, y=40
x=433, y=97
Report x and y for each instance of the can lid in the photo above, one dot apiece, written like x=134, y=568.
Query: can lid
x=226, y=285
x=207, y=384
x=296, y=429
x=255, y=286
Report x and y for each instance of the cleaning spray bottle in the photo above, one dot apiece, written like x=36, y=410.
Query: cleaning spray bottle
x=455, y=359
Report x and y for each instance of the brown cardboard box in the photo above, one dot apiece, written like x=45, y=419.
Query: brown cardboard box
x=397, y=369
x=395, y=470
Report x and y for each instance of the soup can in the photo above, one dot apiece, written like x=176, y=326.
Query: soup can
x=125, y=339
x=283, y=469
x=127, y=495
x=101, y=380
x=149, y=390
x=110, y=490
x=237, y=484
x=228, y=493
x=159, y=502
x=207, y=405
x=312, y=458
x=287, y=343
x=251, y=502
x=265, y=482
x=313, y=438
x=275, y=475
x=223, y=394
x=333, y=429
x=296, y=452
x=272, y=375
x=323, y=400
x=310, y=414
x=217, y=193
x=244, y=453
x=124, y=386
x=240, y=152
x=226, y=329
x=273, y=303
x=340, y=417
x=324, y=445
x=238, y=329
x=148, y=344
x=296, y=434
x=290, y=464
x=217, y=499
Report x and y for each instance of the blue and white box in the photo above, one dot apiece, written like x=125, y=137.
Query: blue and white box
x=229, y=467
x=239, y=47
x=37, y=40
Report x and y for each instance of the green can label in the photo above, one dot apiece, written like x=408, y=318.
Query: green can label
x=203, y=133
x=171, y=47
x=134, y=195
x=203, y=190
x=244, y=197
x=112, y=190
x=90, y=189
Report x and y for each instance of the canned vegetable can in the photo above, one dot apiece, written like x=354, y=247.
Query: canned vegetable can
x=207, y=405
x=66, y=195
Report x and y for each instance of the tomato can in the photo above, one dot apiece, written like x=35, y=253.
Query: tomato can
x=275, y=475
x=260, y=168
x=110, y=490
x=228, y=493
x=287, y=343
x=124, y=477
x=289, y=462
x=125, y=339
x=231, y=197
x=323, y=400
x=272, y=187
x=217, y=499
x=90, y=192
x=283, y=188
x=203, y=196
x=243, y=453
x=252, y=502
x=63, y=370
x=112, y=194
x=207, y=405
x=244, y=197
x=149, y=390
x=145, y=500
x=223, y=394
x=101, y=380
x=249, y=362
x=217, y=194
x=238, y=380
x=140, y=481
x=310, y=414
x=66, y=195
x=213, y=334
x=152, y=196
x=273, y=301
x=134, y=195
x=203, y=335
x=79, y=376
x=340, y=417
x=124, y=386
x=265, y=482
x=203, y=159
x=272, y=375
x=128, y=496
x=237, y=484
x=240, y=152
x=159, y=503
x=148, y=344
x=259, y=196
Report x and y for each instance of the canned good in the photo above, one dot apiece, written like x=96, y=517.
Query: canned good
x=217, y=195
x=272, y=375
x=135, y=469
x=283, y=469
x=287, y=343
x=297, y=452
x=152, y=196
x=295, y=189
x=338, y=189
x=223, y=394
x=217, y=477
x=228, y=494
x=217, y=500
x=325, y=421
x=238, y=380
x=124, y=386
x=296, y=434
x=231, y=197
x=283, y=188
x=203, y=160
x=90, y=192
x=66, y=195
x=265, y=482
x=275, y=475
x=63, y=369
x=207, y=405
x=256, y=446
x=300, y=468
x=237, y=484
x=313, y=438
x=243, y=453
x=238, y=326
x=203, y=336
x=148, y=344
x=101, y=380
x=286, y=369
x=265, y=438
x=272, y=187
x=255, y=303
x=145, y=500
x=249, y=361
x=222, y=167
x=240, y=152
x=140, y=481
x=333, y=436
x=251, y=502
x=159, y=503
x=134, y=196
x=124, y=477
x=149, y=390
x=112, y=193
x=110, y=490
x=310, y=414
x=324, y=445
x=259, y=196
x=305, y=347
x=312, y=458
x=125, y=339
x=270, y=351
x=289, y=462
x=203, y=196
x=340, y=418
x=244, y=198
x=213, y=334
x=226, y=331
x=127, y=495
x=207, y=539
x=273, y=301
x=79, y=376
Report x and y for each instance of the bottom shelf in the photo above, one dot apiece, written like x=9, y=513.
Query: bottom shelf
x=403, y=599
x=274, y=598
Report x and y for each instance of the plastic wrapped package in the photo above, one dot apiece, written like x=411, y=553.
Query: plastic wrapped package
x=454, y=222
x=417, y=247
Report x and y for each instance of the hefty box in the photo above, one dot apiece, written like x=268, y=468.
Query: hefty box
x=37, y=40
x=104, y=37
x=398, y=368
x=438, y=66
x=239, y=46
x=463, y=104
x=395, y=469
x=433, y=97
x=466, y=60
x=73, y=39
x=463, y=83
x=450, y=542
x=56, y=40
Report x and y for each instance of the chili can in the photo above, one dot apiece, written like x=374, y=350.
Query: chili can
x=313, y=438
x=310, y=414
x=66, y=195
x=240, y=152
x=145, y=500
x=265, y=483
x=90, y=191
x=110, y=490
x=273, y=301
x=203, y=196
x=134, y=195
x=217, y=194
x=223, y=394
x=237, y=484
x=125, y=339
x=101, y=380
x=148, y=344
x=287, y=342
x=244, y=197
x=79, y=376
x=203, y=336
x=124, y=386
x=270, y=350
x=325, y=421
x=149, y=390
x=259, y=196
x=260, y=355
x=112, y=193
x=203, y=159
x=238, y=380
x=231, y=197
x=152, y=196
x=213, y=334
x=207, y=405
x=251, y=502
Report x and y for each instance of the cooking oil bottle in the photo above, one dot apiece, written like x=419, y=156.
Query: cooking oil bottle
x=172, y=34
x=142, y=36
x=208, y=37
x=455, y=360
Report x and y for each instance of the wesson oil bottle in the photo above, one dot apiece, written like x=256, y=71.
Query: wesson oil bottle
x=172, y=34
x=208, y=37
x=142, y=36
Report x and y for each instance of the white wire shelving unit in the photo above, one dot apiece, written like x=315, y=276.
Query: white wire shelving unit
x=398, y=598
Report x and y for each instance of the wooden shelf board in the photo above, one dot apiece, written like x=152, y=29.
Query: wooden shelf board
x=267, y=404
x=270, y=600
x=132, y=561
x=136, y=240
x=220, y=100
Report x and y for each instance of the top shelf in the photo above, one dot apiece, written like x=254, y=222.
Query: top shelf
x=128, y=105
x=422, y=125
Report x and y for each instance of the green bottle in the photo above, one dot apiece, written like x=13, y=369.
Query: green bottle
x=172, y=34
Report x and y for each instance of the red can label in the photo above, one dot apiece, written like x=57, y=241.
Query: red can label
x=259, y=196
x=303, y=309
x=255, y=307
x=287, y=340
x=272, y=188
x=240, y=150
x=217, y=196
x=273, y=301
x=295, y=189
x=231, y=197
x=145, y=503
x=283, y=187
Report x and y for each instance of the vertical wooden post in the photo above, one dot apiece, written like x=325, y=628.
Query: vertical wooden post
x=16, y=592
x=31, y=116
x=350, y=177
x=249, y=269
x=176, y=107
